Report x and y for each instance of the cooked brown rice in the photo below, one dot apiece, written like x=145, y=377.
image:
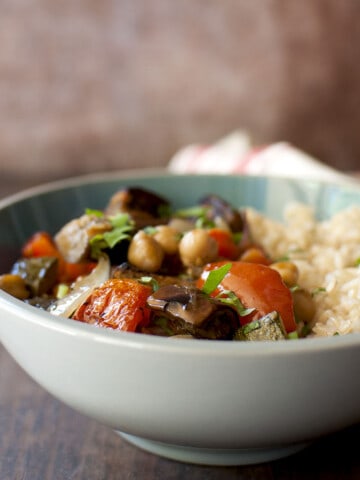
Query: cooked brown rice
x=326, y=254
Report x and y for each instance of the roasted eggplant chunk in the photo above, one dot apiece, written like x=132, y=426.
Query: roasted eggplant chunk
x=39, y=273
x=144, y=207
x=220, y=208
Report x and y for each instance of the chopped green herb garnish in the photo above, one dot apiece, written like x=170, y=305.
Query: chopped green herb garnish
x=91, y=211
x=164, y=211
x=249, y=327
x=150, y=281
x=318, y=290
x=150, y=230
x=203, y=222
x=122, y=228
x=305, y=330
x=229, y=297
x=287, y=256
x=62, y=290
x=117, y=235
x=284, y=258
x=121, y=220
x=97, y=245
x=293, y=335
x=197, y=211
x=215, y=277
x=162, y=322
x=237, y=236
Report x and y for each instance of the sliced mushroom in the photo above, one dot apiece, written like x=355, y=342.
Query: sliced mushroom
x=190, y=311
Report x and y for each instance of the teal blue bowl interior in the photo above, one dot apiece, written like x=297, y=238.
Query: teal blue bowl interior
x=50, y=206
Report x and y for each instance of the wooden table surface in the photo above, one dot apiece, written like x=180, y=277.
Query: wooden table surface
x=42, y=439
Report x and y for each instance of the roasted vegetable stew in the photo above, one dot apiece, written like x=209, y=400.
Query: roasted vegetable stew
x=140, y=265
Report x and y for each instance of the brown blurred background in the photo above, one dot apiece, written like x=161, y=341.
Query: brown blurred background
x=94, y=85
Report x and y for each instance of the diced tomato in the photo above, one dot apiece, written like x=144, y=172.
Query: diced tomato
x=71, y=271
x=227, y=248
x=119, y=304
x=257, y=286
x=40, y=244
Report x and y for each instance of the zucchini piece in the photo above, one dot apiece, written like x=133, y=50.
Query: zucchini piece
x=269, y=327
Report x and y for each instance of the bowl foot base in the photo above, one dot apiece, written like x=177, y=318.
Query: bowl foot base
x=213, y=456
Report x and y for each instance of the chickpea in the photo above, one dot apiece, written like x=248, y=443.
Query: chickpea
x=253, y=254
x=145, y=252
x=197, y=248
x=304, y=305
x=168, y=238
x=289, y=272
x=14, y=285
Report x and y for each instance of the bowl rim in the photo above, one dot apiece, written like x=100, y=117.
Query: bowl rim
x=67, y=326
x=156, y=172
x=78, y=180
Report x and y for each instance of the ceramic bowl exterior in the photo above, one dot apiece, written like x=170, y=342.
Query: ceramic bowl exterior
x=201, y=401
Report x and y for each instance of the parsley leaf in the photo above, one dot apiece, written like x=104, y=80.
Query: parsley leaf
x=229, y=297
x=215, y=277
x=122, y=228
x=197, y=211
x=199, y=214
x=318, y=290
x=150, y=281
x=91, y=211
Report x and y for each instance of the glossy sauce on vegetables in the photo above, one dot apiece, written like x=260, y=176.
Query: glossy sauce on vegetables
x=140, y=265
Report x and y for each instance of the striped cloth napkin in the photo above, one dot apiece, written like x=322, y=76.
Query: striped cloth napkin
x=236, y=154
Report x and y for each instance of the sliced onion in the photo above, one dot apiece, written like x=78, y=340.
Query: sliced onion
x=66, y=306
